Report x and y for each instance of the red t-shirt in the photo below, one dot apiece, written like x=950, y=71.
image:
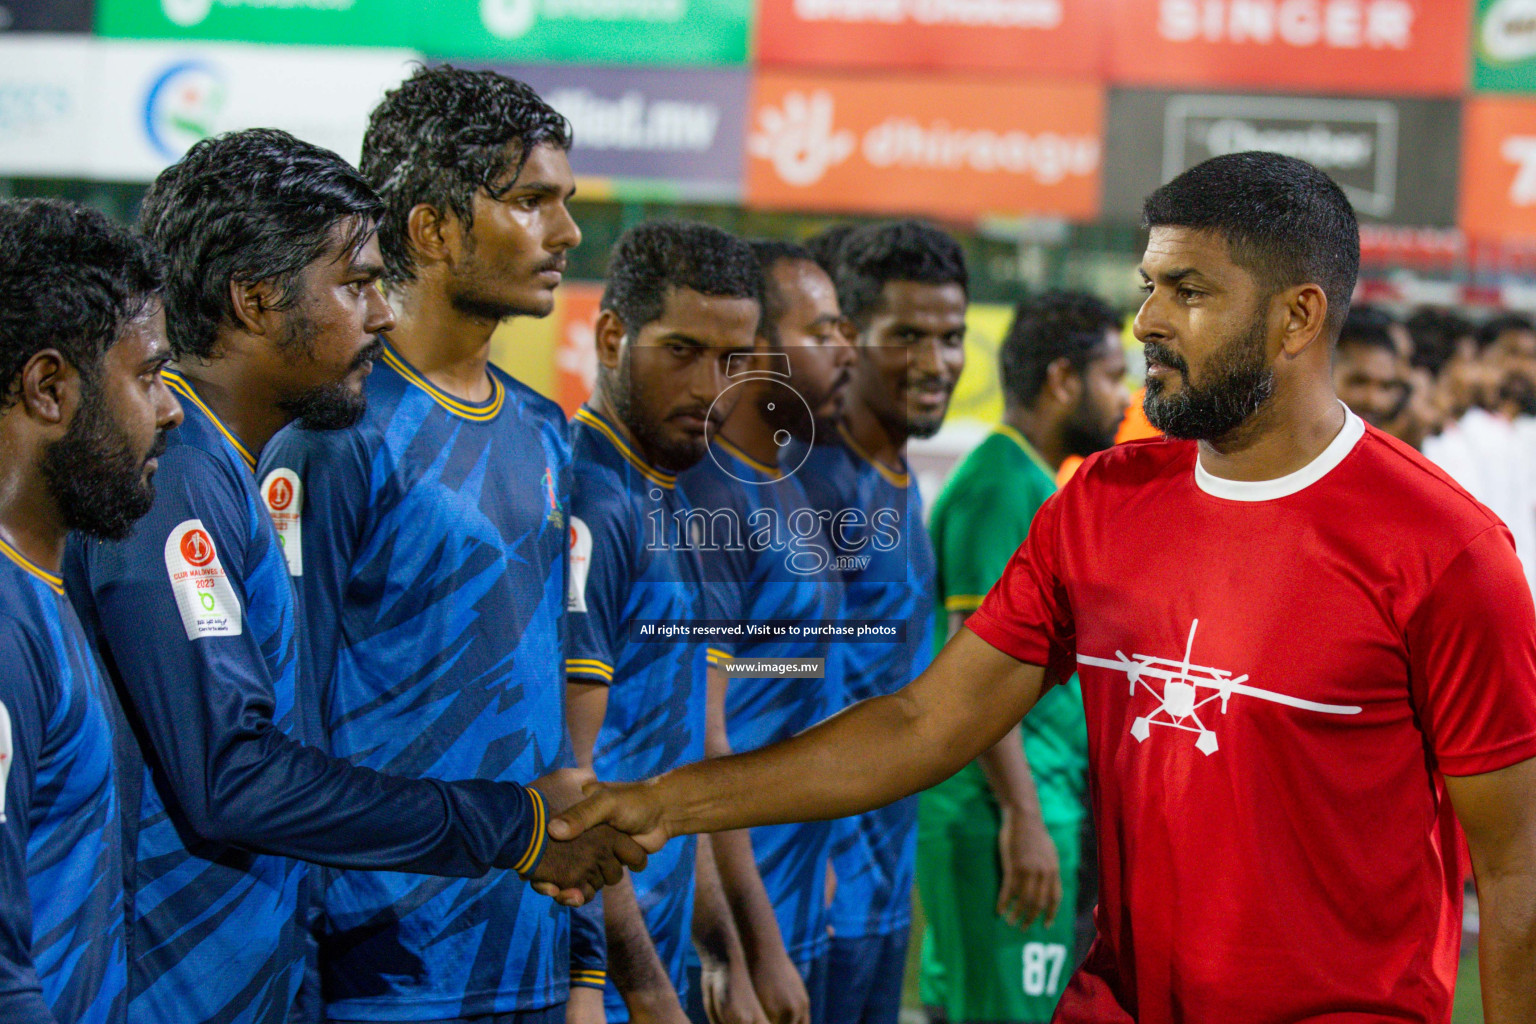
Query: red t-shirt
x=1275, y=839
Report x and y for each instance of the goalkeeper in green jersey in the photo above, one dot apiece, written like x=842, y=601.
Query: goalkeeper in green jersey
x=998, y=846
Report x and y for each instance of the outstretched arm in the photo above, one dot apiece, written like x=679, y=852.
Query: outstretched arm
x=875, y=752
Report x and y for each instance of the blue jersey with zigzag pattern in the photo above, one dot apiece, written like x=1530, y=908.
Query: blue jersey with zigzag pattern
x=888, y=574
x=775, y=564
x=629, y=566
x=428, y=546
x=193, y=615
x=62, y=955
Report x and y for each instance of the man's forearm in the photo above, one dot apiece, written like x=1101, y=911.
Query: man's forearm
x=633, y=965
x=1008, y=776
x=1506, y=946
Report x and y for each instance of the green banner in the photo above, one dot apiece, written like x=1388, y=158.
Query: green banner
x=674, y=32
x=1504, y=46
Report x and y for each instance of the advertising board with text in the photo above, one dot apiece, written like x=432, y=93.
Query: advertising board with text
x=1499, y=168
x=680, y=128
x=1504, y=46
x=1393, y=157
x=685, y=32
x=1038, y=38
x=944, y=147
x=45, y=15
x=1412, y=47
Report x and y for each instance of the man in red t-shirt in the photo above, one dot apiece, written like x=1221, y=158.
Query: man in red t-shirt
x=1305, y=654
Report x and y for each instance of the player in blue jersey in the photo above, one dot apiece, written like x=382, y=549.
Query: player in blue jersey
x=272, y=312
x=82, y=421
x=680, y=300
x=428, y=547
x=903, y=287
x=768, y=559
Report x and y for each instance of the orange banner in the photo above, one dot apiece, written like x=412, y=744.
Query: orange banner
x=1035, y=37
x=945, y=147
x=1403, y=47
x=575, y=346
x=1498, y=168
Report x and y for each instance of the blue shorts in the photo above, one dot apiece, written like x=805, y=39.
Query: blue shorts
x=548, y=1015
x=868, y=970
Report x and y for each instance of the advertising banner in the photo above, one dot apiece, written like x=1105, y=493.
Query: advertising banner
x=1498, y=198
x=1039, y=38
x=680, y=129
x=686, y=32
x=123, y=111
x=45, y=15
x=1413, y=47
x=1504, y=46
x=1392, y=157
x=951, y=148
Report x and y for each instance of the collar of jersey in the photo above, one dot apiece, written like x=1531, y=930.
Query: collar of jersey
x=55, y=583
x=1291, y=483
x=480, y=412
x=1029, y=449
x=602, y=426
x=179, y=384
x=772, y=472
x=892, y=477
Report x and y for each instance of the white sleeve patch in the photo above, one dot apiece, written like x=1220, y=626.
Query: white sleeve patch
x=284, y=495
x=581, y=562
x=7, y=754
x=203, y=592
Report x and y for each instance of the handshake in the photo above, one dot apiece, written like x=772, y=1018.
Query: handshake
x=594, y=838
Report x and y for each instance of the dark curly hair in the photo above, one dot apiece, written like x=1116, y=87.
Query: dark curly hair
x=71, y=280
x=255, y=205
x=870, y=256
x=444, y=134
x=1056, y=325
x=652, y=257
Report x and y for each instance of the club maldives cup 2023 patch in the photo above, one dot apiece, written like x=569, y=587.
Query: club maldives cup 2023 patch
x=203, y=592
x=283, y=493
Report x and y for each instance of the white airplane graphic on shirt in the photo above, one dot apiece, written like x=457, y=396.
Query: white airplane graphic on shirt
x=1179, y=704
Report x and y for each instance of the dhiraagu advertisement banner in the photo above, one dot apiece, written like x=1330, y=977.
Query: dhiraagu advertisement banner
x=674, y=32
x=1504, y=46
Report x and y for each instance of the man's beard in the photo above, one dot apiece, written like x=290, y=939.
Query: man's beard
x=94, y=476
x=472, y=296
x=664, y=454
x=335, y=405
x=1240, y=384
x=1082, y=436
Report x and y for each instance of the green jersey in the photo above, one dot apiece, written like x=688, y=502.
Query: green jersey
x=978, y=522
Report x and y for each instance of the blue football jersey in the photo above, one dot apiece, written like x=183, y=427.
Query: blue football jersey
x=766, y=559
x=631, y=567
x=428, y=545
x=875, y=523
x=194, y=617
x=62, y=952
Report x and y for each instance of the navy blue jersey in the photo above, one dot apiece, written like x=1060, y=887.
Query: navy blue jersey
x=766, y=558
x=194, y=617
x=632, y=566
x=62, y=955
x=875, y=523
x=428, y=545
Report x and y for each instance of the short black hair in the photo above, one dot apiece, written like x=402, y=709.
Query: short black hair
x=1435, y=333
x=825, y=245
x=903, y=250
x=1368, y=327
x=1045, y=328
x=1284, y=220
x=770, y=253
x=253, y=205
x=658, y=255
x=71, y=280
x=443, y=135
x=1494, y=326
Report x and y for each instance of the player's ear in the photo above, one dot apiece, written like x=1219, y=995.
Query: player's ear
x=429, y=233
x=609, y=338
x=254, y=304
x=49, y=388
x=1305, y=313
x=1063, y=382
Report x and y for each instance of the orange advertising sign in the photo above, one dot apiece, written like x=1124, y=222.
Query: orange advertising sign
x=1037, y=37
x=575, y=346
x=1498, y=168
x=1410, y=47
x=951, y=148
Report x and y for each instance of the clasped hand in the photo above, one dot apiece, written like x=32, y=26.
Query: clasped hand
x=576, y=865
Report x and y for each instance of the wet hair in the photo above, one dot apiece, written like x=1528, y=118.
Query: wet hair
x=1489, y=332
x=769, y=254
x=1056, y=325
x=1367, y=327
x=652, y=258
x=1283, y=220
x=1435, y=333
x=873, y=255
x=443, y=135
x=250, y=206
x=71, y=280
x=826, y=244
